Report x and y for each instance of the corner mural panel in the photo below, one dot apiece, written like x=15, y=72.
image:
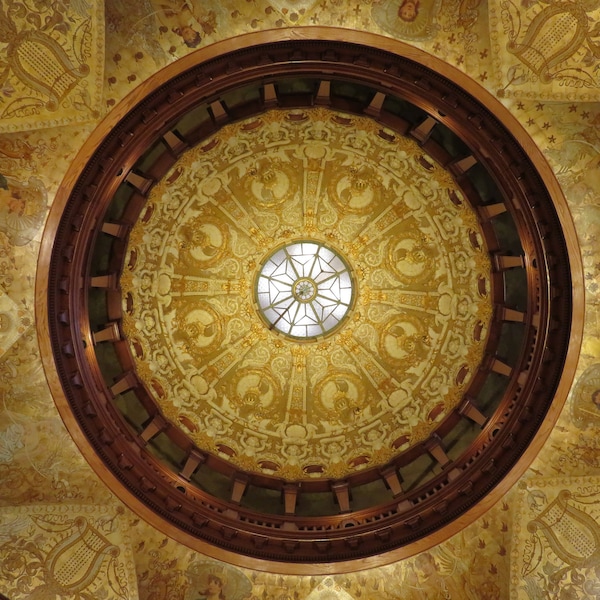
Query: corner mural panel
x=556, y=543
x=546, y=50
x=52, y=63
x=65, y=551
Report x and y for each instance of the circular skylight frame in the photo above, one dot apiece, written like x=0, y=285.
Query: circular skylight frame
x=304, y=290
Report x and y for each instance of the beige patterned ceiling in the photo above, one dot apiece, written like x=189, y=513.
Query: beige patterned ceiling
x=329, y=406
x=49, y=494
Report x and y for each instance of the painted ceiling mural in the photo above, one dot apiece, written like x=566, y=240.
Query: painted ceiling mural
x=52, y=65
x=540, y=541
x=333, y=403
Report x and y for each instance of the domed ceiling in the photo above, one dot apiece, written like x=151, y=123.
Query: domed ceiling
x=240, y=373
x=78, y=517
x=308, y=318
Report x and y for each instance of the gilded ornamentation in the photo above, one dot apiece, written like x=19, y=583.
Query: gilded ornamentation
x=253, y=393
x=355, y=189
x=585, y=405
x=558, y=543
x=270, y=183
x=555, y=44
x=340, y=396
x=51, y=60
x=408, y=19
x=330, y=403
x=198, y=327
x=405, y=341
x=413, y=257
x=22, y=208
x=203, y=241
x=210, y=580
x=65, y=551
x=51, y=470
x=14, y=321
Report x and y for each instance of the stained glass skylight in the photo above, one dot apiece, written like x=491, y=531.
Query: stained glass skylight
x=304, y=290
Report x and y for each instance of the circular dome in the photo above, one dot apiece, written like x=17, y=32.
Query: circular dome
x=256, y=445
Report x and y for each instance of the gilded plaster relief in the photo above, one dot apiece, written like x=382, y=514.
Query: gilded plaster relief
x=546, y=50
x=39, y=462
x=585, y=402
x=574, y=441
x=69, y=551
x=52, y=63
x=556, y=543
x=23, y=208
x=328, y=589
x=470, y=566
x=335, y=402
x=146, y=35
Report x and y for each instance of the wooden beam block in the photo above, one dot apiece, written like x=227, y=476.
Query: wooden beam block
x=126, y=382
x=139, y=182
x=110, y=333
x=175, y=144
x=374, y=108
x=392, y=479
x=434, y=446
x=218, y=111
x=423, y=131
x=153, y=428
x=104, y=281
x=459, y=167
x=342, y=495
x=118, y=230
x=514, y=316
x=469, y=410
x=194, y=460
x=240, y=483
x=324, y=93
x=290, y=497
x=492, y=210
x=504, y=263
x=269, y=95
x=501, y=367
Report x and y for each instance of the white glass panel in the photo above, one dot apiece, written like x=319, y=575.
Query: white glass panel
x=304, y=289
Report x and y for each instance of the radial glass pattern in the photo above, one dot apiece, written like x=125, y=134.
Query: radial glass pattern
x=304, y=290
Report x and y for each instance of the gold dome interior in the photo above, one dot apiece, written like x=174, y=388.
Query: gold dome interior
x=71, y=71
x=353, y=399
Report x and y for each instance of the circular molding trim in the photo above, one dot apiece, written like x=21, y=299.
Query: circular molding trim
x=536, y=381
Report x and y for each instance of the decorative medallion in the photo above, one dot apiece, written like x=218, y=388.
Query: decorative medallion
x=408, y=19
